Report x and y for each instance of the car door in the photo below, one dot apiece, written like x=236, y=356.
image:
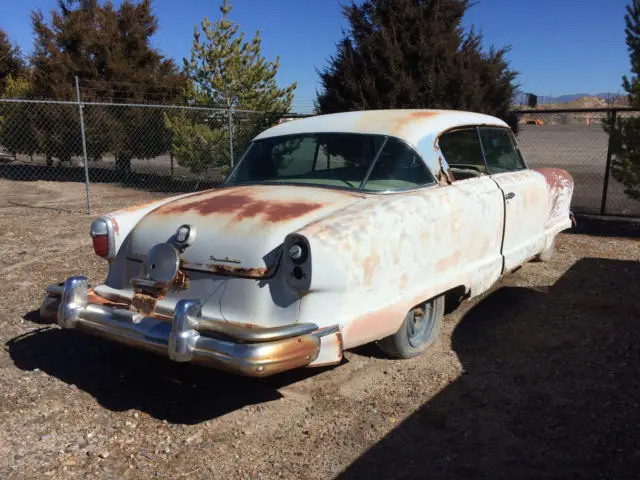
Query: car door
x=477, y=208
x=524, y=193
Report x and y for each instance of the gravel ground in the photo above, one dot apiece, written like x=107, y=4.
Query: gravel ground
x=536, y=379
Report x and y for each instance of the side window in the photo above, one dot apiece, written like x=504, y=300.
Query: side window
x=462, y=151
x=398, y=167
x=500, y=151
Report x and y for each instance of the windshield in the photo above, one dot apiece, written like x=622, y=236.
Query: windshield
x=341, y=160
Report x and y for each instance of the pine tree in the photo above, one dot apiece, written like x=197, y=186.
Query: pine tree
x=228, y=72
x=12, y=64
x=109, y=50
x=415, y=54
x=625, y=132
x=18, y=120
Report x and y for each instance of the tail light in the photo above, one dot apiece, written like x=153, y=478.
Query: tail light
x=102, y=235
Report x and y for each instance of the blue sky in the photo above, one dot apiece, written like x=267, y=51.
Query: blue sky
x=558, y=46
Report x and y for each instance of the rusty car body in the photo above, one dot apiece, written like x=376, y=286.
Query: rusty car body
x=330, y=232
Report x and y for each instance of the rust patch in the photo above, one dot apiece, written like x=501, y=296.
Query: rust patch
x=373, y=326
x=242, y=206
x=412, y=117
x=446, y=263
x=552, y=176
x=239, y=271
x=180, y=281
x=95, y=299
x=287, y=354
x=404, y=281
x=145, y=304
x=444, y=178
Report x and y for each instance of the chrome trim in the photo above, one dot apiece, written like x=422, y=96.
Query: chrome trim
x=184, y=335
x=246, y=351
x=191, y=237
x=74, y=299
x=373, y=163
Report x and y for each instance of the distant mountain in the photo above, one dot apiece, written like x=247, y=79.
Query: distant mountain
x=572, y=97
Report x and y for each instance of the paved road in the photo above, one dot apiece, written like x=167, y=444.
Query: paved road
x=582, y=151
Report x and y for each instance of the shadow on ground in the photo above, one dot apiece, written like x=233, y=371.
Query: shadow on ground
x=551, y=388
x=122, y=378
x=622, y=227
x=152, y=181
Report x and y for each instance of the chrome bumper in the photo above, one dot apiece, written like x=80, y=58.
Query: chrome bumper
x=255, y=352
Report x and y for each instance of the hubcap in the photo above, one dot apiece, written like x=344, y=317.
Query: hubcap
x=419, y=322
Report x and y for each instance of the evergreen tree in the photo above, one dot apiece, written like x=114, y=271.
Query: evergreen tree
x=18, y=120
x=109, y=50
x=625, y=132
x=225, y=71
x=12, y=64
x=415, y=54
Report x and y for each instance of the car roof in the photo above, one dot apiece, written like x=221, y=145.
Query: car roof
x=418, y=128
x=412, y=126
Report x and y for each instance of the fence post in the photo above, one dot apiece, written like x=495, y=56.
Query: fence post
x=231, y=134
x=84, y=148
x=605, y=186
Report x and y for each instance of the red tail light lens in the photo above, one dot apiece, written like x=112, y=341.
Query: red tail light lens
x=101, y=245
x=100, y=235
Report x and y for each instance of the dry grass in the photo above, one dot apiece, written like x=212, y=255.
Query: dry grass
x=538, y=378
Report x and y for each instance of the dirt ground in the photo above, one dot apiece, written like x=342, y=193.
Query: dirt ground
x=539, y=378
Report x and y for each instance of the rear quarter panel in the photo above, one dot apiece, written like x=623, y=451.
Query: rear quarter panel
x=560, y=186
x=375, y=260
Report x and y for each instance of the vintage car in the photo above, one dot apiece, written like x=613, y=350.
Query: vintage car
x=330, y=232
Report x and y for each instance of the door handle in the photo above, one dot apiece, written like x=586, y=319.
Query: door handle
x=510, y=195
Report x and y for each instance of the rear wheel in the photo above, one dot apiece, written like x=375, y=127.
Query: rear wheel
x=418, y=332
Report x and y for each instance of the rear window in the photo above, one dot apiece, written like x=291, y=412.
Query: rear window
x=341, y=160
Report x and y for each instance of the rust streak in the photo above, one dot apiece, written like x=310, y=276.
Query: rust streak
x=446, y=263
x=371, y=264
x=114, y=222
x=412, y=117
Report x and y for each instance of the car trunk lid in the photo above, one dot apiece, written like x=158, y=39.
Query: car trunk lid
x=238, y=230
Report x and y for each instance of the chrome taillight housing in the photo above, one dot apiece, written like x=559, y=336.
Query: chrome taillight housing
x=103, y=237
x=297, y=253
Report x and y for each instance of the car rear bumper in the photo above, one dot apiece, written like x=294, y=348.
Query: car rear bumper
x=255, y=352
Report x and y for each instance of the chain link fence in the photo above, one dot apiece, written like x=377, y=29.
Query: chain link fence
x=173, y=149
x=576, y=141
x=159, y=148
